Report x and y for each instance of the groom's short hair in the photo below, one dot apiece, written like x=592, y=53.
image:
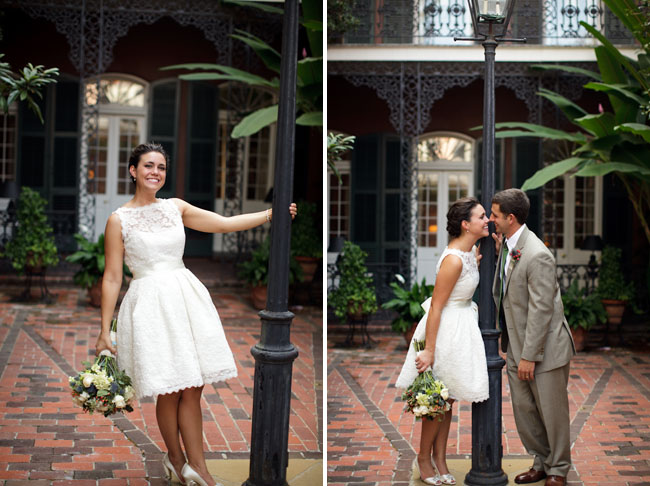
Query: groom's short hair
x=513, y=201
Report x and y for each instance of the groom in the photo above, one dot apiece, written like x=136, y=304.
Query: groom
x=536, y=337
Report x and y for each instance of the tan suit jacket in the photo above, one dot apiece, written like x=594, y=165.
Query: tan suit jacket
x=535, y=324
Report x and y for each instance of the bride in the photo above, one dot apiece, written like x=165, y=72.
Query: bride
x=454, y=346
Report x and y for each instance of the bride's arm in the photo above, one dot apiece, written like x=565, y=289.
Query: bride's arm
x=447, y=276
x=209, y=222
x=112, y=279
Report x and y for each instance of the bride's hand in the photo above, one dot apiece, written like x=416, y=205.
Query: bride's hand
x=424, y=360
x=104, y=342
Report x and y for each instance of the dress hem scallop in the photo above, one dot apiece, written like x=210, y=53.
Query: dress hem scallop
x=215, y=378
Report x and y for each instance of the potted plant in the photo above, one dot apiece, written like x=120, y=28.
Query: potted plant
x=582, y=312
x=256, y=272
x=614, y=290
x=32, y=248
x=407, y=304
x=307, y=238
x=93, y=261
x=355, y=295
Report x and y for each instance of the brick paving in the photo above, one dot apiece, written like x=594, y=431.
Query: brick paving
x=371, y=442
x=45, y=439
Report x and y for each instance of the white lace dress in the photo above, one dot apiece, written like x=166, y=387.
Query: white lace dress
x=169, y=335
x=460, y=354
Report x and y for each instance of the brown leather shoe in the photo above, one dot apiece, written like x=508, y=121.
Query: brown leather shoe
x=555, y=481
x=530, y=476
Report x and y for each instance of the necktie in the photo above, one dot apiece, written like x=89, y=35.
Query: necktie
x=504, y=255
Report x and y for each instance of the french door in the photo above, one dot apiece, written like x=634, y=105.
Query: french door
x=437, y=190
x=117, y=136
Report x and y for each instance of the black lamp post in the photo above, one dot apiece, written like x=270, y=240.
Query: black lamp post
x=274, y=354
x=490, y=19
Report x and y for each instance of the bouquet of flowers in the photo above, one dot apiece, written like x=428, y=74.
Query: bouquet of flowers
x=102, y=387
x=426, y=397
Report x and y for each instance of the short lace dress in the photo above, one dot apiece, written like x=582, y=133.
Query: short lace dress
x=169, y=335
x=460, y=354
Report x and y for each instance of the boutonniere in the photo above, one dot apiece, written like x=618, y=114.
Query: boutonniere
x=515, y=255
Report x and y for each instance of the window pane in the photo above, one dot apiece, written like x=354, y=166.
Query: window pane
x=432, y=149
x=428, y=209
x=584, y=209
x=129, y=139
x=97, y=155
x=116, y=91
x=339, y=205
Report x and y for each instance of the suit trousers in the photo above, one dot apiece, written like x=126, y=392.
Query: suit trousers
x=541, y=409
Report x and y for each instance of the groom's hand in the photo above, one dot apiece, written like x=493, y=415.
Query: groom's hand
x=498, y=241
x=526, y=370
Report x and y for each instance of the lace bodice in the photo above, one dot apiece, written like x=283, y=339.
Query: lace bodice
x=469, y=276
x=153, y=236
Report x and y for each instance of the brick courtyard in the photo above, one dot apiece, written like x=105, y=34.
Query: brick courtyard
x=46, y=440
x=371, y=442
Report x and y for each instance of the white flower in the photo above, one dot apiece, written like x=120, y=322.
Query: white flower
x=128, y=393
x=83, y=397
x=88, y=379
x=119, y=401
x=400, y=279
x=444, y=393
x=447, y=406
x=420, y=411
x=422, y=399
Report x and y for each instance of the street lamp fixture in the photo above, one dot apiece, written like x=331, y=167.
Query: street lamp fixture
x=490, y=19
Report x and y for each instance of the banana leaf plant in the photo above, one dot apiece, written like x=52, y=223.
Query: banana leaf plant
x=309, y=93
x=605, y=142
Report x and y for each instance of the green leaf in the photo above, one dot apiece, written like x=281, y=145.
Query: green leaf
x=568, y=107
x=620, y=89
x=315, y=25
x=626, y=62
x=310, y=71
x=312, y=119
x=254, y=122
x=542, y=176
x=193, y=65
x=599, y=125
x=538, y=131
x=600, y=169
x=636, y=129
x=269, y=56
x=250, y=79
x=568, y=69
x=260, y=6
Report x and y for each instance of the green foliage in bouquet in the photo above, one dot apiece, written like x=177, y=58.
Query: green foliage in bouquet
x=33, y=244
x=611, y=282
x=92, y=259
x=427, y=397
x=256, y=270
x=102, y=387
x=407, y=303
x=582, y=310
x=356, y=290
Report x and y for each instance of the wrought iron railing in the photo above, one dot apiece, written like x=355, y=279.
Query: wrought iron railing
x=384, y=274
x=62, y=222
x=437, y=22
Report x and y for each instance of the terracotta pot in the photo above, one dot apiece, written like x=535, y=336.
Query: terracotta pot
x=615, y=310
x=95, y=293
x=308, y=265
x=258, y=296
x=408, y=335
x=579, y=338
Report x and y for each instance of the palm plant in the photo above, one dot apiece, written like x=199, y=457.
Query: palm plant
x=309, y=93
x=606, y=142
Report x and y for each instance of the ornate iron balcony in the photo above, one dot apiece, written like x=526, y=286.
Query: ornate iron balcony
x=436, y=22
